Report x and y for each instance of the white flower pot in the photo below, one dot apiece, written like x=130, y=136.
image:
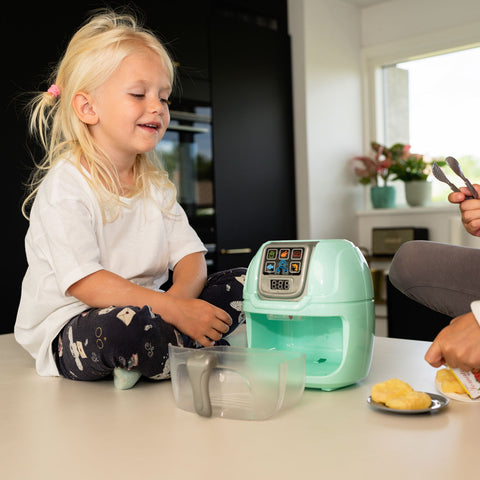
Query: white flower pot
x=418, y=193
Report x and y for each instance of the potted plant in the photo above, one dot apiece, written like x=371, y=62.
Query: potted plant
x=412, y=169
x=369, y=171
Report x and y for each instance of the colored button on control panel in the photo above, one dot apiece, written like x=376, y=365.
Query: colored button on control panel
x=297, y=253
x=295, y=267
x=272, y=254
x=269, y=267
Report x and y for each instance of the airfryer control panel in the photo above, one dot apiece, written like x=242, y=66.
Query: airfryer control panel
x=284, y=268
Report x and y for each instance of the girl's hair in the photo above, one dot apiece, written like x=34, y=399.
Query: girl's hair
x=94, y=52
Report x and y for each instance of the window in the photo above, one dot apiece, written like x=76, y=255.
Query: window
x=433, y=104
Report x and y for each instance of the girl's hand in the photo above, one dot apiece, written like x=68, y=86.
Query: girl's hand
x=470, y=210
x=198, y=319
x=457, y=345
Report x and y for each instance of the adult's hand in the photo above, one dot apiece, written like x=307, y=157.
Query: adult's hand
x=457, y=345
x=470, y=209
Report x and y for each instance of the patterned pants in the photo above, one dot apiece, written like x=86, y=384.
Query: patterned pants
x=95, y=342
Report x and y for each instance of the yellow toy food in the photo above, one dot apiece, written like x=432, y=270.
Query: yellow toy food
x=399, y=395
x=381, y=392
x=449, y=382
x=410, y=401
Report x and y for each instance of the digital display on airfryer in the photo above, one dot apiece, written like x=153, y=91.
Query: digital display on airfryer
x=279, y=284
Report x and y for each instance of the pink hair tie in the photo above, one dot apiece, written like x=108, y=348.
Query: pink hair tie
x=54, y=90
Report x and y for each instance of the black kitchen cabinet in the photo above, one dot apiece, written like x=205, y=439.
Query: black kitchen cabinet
x=183, y=28
x=234, y=58
x=252, y=138
x=240, y=51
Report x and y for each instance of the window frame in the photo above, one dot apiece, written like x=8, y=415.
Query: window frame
x=374, y=57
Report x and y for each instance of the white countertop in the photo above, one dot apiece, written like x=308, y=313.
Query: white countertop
x=56, y=428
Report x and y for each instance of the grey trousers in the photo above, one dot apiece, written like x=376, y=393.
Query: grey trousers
x=445, y=278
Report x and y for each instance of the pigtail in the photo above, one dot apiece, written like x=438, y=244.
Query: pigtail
x=42, y=110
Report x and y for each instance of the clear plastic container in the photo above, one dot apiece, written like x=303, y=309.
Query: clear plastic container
x=235, y=382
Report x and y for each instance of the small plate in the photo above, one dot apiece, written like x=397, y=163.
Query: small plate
x=438, y=402
x=463, y=397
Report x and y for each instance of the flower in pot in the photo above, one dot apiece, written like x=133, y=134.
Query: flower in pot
x=412, y=169
x=407, y=166
x=369, y=171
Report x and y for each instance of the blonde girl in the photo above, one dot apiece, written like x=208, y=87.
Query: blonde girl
x=105, y=227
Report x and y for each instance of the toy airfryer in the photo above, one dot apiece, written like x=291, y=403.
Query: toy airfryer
x=314, y=297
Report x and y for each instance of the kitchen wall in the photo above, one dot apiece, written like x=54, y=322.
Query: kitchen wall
x=325, y=36
x=400, y=20
x=330, y=41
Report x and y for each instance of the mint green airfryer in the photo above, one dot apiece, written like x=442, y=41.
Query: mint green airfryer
x=314, y=297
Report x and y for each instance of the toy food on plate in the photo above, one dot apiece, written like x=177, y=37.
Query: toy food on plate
x=381, y=392
x=399, y=395
x=410, y=401
x=449, y=382
x=459, y=383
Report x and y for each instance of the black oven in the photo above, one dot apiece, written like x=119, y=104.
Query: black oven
x=186, y=153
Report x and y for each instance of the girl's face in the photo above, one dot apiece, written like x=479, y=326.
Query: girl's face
x=131, y=107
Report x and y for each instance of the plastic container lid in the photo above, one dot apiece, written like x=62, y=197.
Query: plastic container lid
x=235, y=382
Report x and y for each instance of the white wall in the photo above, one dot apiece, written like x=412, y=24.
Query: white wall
x=327, y=114
x=329, y=39
x=396, y=20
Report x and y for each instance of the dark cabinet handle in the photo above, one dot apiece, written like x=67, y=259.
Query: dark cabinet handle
x=233, y=251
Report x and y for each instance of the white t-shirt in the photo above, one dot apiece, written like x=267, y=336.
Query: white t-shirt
x=68, y=240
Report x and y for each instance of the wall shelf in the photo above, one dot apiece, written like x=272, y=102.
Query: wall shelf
x=443, y=222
